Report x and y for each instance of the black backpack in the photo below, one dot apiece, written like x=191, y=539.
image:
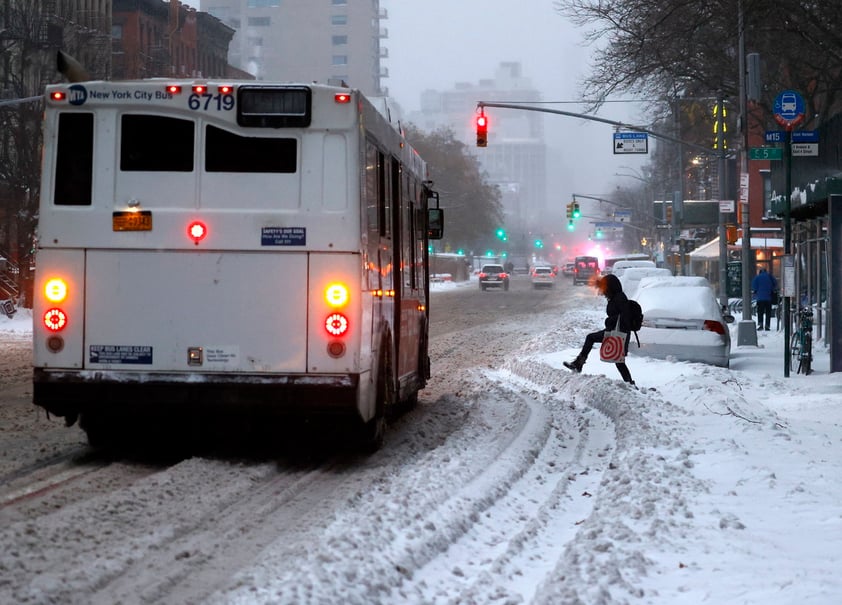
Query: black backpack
x=635, y=316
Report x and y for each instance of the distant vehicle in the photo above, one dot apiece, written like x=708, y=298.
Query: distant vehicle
x=493, y=276
x=612, y=260
x=585, y=269
x=568, y=270
x=621, y=265
x=542, y=277
x=682, y=320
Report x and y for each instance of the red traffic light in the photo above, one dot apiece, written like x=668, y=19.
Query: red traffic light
x=482, y=130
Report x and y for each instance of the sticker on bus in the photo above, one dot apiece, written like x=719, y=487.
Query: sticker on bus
x=283, y=236
x=120, y=354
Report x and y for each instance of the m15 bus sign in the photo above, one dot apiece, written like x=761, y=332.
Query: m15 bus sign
x=789, y=109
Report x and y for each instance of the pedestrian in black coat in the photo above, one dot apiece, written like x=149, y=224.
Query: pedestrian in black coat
x=617, y=307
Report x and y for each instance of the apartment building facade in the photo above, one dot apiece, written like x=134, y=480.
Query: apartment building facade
x=307, y=40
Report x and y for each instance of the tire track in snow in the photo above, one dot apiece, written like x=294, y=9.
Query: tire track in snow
x=542, y=507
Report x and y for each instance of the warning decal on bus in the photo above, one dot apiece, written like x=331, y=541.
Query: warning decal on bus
x=283, y=236
x=120, y=354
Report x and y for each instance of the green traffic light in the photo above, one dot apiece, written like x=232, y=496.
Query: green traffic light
x=576, y=212
x=570, y=226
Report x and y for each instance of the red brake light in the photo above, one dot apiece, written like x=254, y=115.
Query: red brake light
x=200, y=89
x=336, y=324
x=342, y=97
x=55, y=319
x=58, y=95
x=714, y=326
x=197, y=231
x=174, y=89
x=225, y=89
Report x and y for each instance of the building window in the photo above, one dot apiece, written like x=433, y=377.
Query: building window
x=117, y=32
x=339, y=40
x=339, y=60
x=339, y=20
x=255, y=41
x=259, y=21
x=339, y=2
x=263, y=3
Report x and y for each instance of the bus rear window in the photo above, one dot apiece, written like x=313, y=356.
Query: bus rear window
x=229, y=152
x=74, y=159
x=156, y=144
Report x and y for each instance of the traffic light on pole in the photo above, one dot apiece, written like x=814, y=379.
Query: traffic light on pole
x=482, y=130
x=576, y=212
x=570, y=210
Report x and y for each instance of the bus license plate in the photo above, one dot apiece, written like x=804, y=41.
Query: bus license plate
x=132, y=221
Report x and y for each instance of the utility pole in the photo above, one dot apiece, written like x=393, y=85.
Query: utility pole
x=723, y=172
x=746, y=329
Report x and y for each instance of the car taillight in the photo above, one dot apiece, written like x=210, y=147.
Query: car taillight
x=714, y=326
x=482, y=275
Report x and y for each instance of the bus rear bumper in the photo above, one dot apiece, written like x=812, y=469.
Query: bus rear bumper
x=70, y=393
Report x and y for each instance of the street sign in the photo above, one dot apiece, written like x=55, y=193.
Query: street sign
x=744, y=187
x=622, y=215
x=631, y=142
x=804, y=149
x=766, y=153
x=805, y=136
x=726, y=206
x=775, y=136
x=789, y=109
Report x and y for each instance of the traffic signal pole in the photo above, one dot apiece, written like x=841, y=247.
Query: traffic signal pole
x=658, y=135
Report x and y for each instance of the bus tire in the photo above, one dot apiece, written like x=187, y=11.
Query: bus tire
x=374, y=430
x=97, y=428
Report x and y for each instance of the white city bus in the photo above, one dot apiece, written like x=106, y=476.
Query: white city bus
x=239, y=246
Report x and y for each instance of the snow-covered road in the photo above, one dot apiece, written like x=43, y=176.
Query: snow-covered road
x=512, y=482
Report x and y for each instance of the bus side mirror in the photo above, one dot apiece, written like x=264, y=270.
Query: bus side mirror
x=435, y=223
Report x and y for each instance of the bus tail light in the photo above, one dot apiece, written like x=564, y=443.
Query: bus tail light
x=174, y=89
x=225, y=89
x=200, y=89
x=342, y=98
x=58, y=95
x=197, y=231
x=336, y=324
x=337, y=295
x=55, y=319
x=55, y=290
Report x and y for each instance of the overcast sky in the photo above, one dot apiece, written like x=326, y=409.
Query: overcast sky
x=436, y=43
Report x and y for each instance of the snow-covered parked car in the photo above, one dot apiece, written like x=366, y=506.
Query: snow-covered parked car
x=630, y=278
x=682, y=321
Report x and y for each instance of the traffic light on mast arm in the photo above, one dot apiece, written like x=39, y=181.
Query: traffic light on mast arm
x=482, y=130
x=576, y=212
x=570, y=210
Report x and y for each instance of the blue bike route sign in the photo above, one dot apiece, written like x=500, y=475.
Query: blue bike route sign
x=789, y=109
